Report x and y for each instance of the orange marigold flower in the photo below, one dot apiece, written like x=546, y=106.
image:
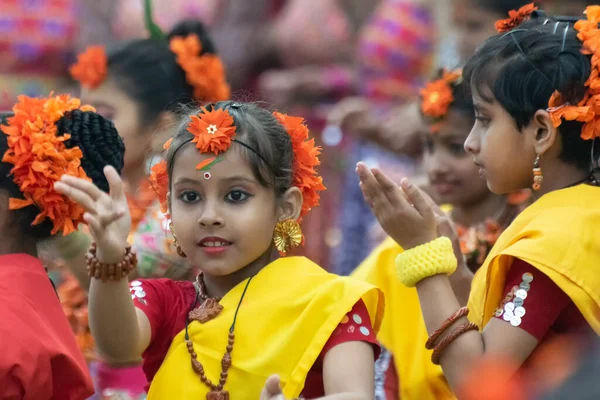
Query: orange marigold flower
x=159, y=179
x=91, y=67
x=306, y=161
x=40, y=159
x=213, y=130
x=204, y=72
x=515, y=18
x=436, y=96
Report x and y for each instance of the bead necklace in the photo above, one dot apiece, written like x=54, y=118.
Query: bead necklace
x=203, y=314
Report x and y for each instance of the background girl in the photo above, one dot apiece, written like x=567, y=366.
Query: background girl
x=535, y=127
x=40, y=357
x=236, y=180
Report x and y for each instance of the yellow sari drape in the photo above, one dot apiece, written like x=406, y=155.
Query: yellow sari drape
x=288, y=313
x=403, y=332
x=560, y=236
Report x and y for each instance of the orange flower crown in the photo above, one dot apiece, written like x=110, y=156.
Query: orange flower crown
x=204, y=72
x=214, y=132
x=588, y=109
x=40, y=159
x=91, y=67
x=515, y=18
x=436, y=96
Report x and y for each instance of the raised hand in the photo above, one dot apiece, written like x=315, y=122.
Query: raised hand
x=405, y=212
x=272, y=389
x=106, y=215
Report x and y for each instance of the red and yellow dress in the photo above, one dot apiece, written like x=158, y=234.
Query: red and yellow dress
x=410, y=373
x=40, y=359
x=293, y=312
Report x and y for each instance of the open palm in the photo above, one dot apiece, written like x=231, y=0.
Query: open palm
x=107, y=215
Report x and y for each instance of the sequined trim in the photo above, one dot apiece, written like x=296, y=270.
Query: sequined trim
x=512, y=308
x=137, y=292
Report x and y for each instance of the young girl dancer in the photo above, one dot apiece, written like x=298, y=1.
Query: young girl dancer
x=41, y=141
x=534, y=87
x=236, y=181
x=480, y=216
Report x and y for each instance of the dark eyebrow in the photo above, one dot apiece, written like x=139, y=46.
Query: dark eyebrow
x=230, y=180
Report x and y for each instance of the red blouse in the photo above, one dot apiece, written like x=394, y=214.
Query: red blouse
x=39, y=358
x=166, y=303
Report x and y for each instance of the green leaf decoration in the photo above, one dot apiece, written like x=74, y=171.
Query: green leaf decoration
x=153, y=29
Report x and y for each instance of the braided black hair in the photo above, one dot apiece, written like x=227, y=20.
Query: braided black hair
x=99, y=141
x=522, y=68
x=101, y=145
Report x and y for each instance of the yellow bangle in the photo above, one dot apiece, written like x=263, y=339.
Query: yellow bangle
x=434, y=258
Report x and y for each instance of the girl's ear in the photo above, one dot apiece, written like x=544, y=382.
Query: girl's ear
x=543, y=132
x=290, y=205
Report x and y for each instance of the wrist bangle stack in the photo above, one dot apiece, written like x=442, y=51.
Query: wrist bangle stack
x=113, y=272
x=434, y=258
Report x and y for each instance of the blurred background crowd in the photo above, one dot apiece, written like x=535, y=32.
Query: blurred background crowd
x=352, y=68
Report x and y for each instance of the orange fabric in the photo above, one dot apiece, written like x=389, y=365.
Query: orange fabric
x=40, y=359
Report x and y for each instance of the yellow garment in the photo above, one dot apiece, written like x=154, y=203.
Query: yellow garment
x=403, y=332
x=289, y=312
x=559, y=236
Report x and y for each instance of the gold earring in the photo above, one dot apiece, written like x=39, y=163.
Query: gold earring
x=538, y=177
x=288, y=235
x=176, y=242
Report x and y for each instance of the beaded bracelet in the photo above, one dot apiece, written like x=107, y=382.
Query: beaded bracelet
x=437, y=352
x=434, y=258
x=461, y=312
x=113, y=272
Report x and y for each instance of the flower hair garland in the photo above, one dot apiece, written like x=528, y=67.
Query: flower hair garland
x=91, y=67
x=306, y=161
x=436, y=96
x=588, y=109
x=204, y=72
x=515, y=18
x=214, y=132
x=40, y=159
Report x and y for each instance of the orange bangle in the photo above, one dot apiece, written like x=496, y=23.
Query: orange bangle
x=437, y=353
x=113, y=272
x=461, y=312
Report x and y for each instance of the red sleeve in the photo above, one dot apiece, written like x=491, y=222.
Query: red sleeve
x=151, y=297
x=354, y=327
x=532, y=301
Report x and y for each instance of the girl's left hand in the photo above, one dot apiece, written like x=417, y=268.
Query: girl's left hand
x=405, y=213
x=272, y=389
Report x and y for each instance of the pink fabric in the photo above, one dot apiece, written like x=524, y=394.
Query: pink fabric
x=130, y=380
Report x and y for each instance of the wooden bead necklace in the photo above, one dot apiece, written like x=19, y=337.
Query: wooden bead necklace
x=203, y=314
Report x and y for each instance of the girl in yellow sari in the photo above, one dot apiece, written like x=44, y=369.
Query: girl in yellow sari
x=533, y=87
x=236, y=181
x=480, y=216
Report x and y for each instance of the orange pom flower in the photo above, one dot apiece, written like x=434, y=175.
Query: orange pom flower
x=91, y=67
x=436, y=96
x=159, y=180
x=515, y=18
x=205, y=73
x=213, y=130
x=40, y=159
x=588, y=109
x=306, y=161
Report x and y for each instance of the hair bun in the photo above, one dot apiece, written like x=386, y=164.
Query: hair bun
x=194, y=27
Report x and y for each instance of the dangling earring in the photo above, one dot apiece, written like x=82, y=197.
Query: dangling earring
x=288, y=235
x=176, y=242
x=538, y=178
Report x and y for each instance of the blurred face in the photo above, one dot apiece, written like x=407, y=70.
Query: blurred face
x=449, y=167
x=223, y=223
x=474, y=25
x=503, y=154
x=114, y=104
